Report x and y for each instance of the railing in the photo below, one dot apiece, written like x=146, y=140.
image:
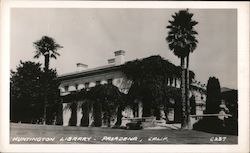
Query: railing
x=207, y=115
x=142, y=119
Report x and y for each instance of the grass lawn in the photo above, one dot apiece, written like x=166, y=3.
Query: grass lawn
x=50, y=134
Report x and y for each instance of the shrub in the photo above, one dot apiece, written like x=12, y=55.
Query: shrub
x=215, y=125
x=134, y=126
x=213, y=100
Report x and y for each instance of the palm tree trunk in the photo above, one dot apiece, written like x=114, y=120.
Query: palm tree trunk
x=46, y=62
x=109, y=120
x=187, y=95
x=183, y=95
x=165, y=99
x=45, y=108
x=119, y=116
x=46, y=68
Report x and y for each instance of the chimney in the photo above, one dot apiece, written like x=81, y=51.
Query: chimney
x=81, y=66
x=111, y=61
x=119, y=57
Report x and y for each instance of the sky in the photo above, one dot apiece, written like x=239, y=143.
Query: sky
x=91, y=35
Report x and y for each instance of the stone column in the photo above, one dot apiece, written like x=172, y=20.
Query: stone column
x=66, y=114
x=91, y=119
x=140, y=109
x=79, y=116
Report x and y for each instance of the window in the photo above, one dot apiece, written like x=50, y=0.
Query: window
x=86, y=85
x=110, y=81
x=66, y=88
x=98, y=82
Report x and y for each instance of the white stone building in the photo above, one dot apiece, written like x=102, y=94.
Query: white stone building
x=111, y=73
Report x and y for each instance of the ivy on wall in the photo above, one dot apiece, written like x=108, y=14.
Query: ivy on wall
x=149, y=79
x=150, y=82
x=85, y=112
x=73, y=118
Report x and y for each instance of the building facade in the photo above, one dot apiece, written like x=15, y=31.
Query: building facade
x=85, y=78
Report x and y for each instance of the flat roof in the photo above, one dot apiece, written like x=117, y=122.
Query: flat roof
x=89, y=72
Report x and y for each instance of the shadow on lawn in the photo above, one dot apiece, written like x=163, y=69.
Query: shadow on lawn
x=214, y=125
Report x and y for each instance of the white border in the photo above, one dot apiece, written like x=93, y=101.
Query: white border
x=243, y=77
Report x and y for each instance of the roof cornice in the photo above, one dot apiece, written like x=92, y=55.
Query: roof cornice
x=90, y=72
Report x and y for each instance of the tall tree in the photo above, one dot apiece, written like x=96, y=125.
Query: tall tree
x=47, y=47
x=182, y=41
x=213, y=100
x=27, y=91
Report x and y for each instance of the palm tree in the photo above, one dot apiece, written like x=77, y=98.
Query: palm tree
x=47, y=47
x=182, y=41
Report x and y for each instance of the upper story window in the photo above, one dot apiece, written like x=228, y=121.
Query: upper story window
x=98, y=82
x=86, y=85
x=66, y=88
x=76, y=86
x=110, y=81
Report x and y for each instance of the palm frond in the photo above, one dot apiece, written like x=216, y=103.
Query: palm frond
x=46, y=45
x=53, y=56
x=56, y=53
x=181, y=34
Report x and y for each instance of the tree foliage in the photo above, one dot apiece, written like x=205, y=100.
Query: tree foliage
x=231, y=100
x=27, y=91
x=47, y=47
x=212, y=123
x=139, y=68
x=213, y=100
x=181, y=35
